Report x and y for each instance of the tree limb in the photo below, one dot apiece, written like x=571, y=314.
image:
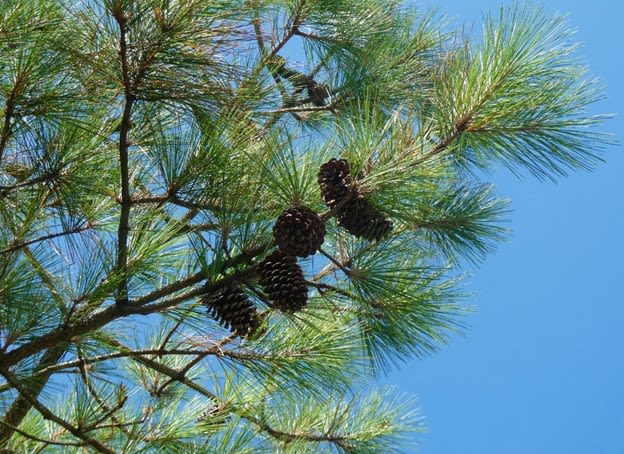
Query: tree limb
x=139, y=306
x=8, y=117
x=124, y=218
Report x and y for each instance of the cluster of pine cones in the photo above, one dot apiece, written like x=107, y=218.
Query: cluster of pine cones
x=355, y=214
x=298, y=232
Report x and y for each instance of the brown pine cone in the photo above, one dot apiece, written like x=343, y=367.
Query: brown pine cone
x=334, y=178
x=299, y=232
x=282, y=280
x=363, y=220
x=231, y=307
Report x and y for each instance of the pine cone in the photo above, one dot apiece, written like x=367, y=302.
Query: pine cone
x=299, y=232
x=232, y=309
x=358, y=216
x=318, y=93
x=282, y=279
x=334, y=179
x=361, y=219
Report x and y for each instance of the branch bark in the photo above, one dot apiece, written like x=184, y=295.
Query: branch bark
x=8, y=117
x=124, y=218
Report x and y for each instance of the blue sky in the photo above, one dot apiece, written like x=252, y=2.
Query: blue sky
x=541, y=369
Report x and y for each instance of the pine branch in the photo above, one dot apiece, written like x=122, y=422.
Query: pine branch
x=41, y=440
x=160, y=352
x=109, y=412
x=336, y=263
x=323, y=287
x=49, y=415
x=296, y=22
x=6, y=190
x=124, y=219
x=460, y=128
x=341, y=441
x=198, y=358
x=140, y=306
x=172, y=373
x=17, y=244
x=180, y=377
x=257, y=26
x=78, y=363
x=9, y=109
x=21, y=406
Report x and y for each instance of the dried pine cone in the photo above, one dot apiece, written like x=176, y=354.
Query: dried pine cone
x=299, y=231
x=282, y=280
x=334, y=179
x=232, y=309
x=361, y=219
x=358, y=216
x=318, y=93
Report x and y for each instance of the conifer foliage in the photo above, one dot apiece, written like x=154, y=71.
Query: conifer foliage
x=219, y=219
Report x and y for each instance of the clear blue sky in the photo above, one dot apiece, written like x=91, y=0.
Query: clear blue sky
x=541, y=369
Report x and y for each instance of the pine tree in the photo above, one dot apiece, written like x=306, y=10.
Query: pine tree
x=162, y=165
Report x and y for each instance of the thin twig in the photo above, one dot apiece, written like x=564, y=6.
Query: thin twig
x=297, y=20
x=335, y=262
x=166, y=339
x=40, y=440
x=339, y=440
x=314, y=36
x=323, y=286
x=122, y=354
x=5, y=190
x=257, y=25
x=459, y=129
x=8, y=117
x=21, y=244
x=196, y=360
x=159, y=367
x=108, y=411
